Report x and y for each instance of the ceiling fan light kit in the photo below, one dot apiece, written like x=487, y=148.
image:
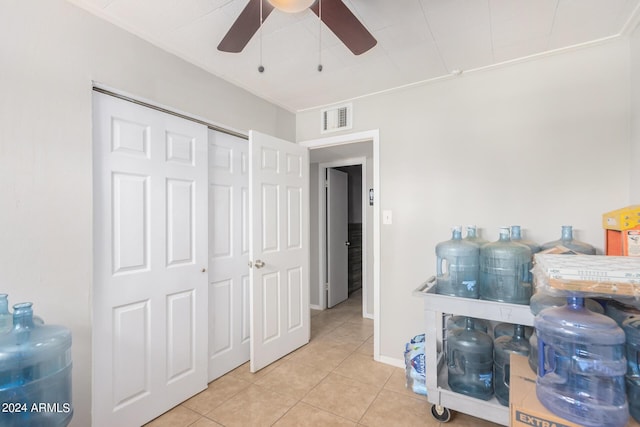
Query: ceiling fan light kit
x=334, y=14
x=291, y=6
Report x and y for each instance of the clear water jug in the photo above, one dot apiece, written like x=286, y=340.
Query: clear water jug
x=516, y=236
x=457, y=267
x=6, y=319
x=620, y=312
x=35, y=372
x=631, y=329
x=506, y=329
x=504, y=271
x=569, y=242
x=581, y=365
x=472, y=236
x=503, y=348
x=460, y=322
x=470, y=362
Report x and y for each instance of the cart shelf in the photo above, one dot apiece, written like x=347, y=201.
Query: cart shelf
x=437, y=308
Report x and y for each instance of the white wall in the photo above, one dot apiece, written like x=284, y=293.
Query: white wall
x=635, y=117
x=50, y=51
x=539, y=143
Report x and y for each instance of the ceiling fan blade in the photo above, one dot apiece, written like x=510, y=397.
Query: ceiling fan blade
x=344, y=24
x=245, y=26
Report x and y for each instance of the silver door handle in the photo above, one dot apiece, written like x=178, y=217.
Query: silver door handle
x=347, y=243
x=258, y=264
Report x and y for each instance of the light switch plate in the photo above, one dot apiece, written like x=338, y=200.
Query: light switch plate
x=387, y=217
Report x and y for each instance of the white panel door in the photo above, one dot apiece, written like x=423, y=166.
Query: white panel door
x=150, y=257
x=228, y=253
x=279, y=248
x=337, y=236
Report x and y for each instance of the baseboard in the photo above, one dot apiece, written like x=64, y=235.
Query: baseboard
x=398, y=363
x=315, y=307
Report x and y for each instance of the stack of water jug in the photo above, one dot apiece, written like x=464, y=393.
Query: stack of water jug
x=478, y=365
x=35, y=369
x=577, y=352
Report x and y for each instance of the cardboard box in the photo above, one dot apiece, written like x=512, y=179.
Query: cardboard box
x=622, y=219
x=623, y=243
x=525, y=408
x=593, y=274
x=559, y=250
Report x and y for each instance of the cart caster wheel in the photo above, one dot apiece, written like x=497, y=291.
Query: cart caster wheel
x=441, y=413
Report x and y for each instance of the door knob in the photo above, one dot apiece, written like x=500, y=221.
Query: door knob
x=347, y=243
x=258, y=264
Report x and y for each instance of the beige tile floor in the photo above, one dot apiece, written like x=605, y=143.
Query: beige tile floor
x=332, y=381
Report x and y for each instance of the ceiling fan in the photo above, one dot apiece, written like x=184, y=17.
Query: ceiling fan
x=335, y=15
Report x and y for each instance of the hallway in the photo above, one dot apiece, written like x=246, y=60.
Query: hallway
x=332, y=381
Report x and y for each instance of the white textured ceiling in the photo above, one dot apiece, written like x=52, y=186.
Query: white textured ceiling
x=418, y=40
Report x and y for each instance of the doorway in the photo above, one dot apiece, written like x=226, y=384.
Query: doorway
x=345, y=147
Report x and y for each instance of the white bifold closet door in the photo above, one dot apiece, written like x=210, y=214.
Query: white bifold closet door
x=228, y=253
x=162, y=324
x=150, y=257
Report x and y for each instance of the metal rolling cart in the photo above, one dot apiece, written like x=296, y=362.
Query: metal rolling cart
x=437, y=309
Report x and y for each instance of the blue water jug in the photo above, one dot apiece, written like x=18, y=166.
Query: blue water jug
x=581, y=365
x=460, y=322
x=541, y=301
x=473, y=237
x=35, y=372
x=516, y=236
x=503, y=348
x=506, y=329
x=631, y=329
x=470, y=362
x=569, y=242
x=504, y=271
x=457, y=267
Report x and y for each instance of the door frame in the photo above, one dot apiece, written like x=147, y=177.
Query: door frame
x=374, y=137
x=322, y=234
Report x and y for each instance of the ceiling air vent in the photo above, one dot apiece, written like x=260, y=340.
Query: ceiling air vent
x=336, y=118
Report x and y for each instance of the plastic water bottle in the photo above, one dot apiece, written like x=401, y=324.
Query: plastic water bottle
x=504, y=271
x=470, y=362
x=457, y=267
x=503, y=347
x=6, y=319
x=415, y=372
x=35, y=372
x=472, y=236
x=581, y=365
x=506, y=329
x=631, y=329
x=569, y=242
x=516, y=236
